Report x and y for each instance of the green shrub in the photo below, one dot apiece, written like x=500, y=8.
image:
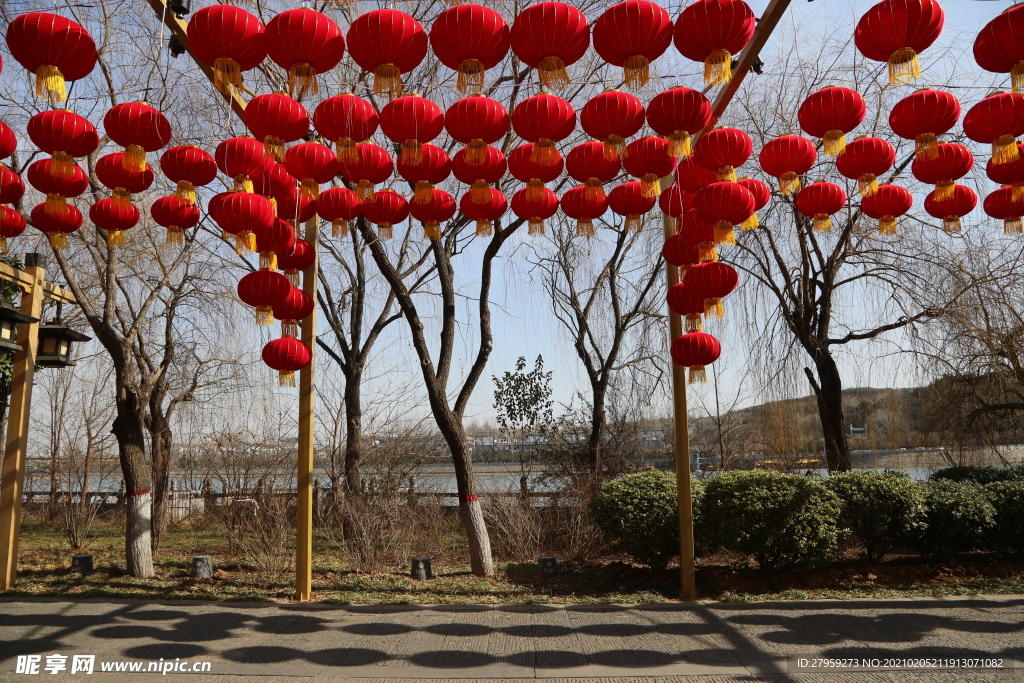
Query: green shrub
x=783, y=520
x=638, y=515
x=880, y=509
x=1008, y=528
x=958, y=517
x=979, y=474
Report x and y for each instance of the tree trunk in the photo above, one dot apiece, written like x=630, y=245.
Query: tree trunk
x=598, y=419
x=161, y=440
x=131, y=447
x=353, y=429
x=828, y=390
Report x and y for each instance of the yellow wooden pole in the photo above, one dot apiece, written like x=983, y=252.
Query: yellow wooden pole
x=304, y=482
x=12, y=481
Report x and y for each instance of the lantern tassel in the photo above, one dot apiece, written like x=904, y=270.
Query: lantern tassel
x=1017, y=77
x=926, y=146
x=121, y=196
x=834, y=143
x=339, y=227
x=1012, y=226
x=423, y=192
x=707, y=252
x=50, y=84
x=293, y=277
x=822, y=222
x=273, y=204
x=679, y=144
x=713, y=308
x=650, y=185
x=867, y=184
x=945, y=190
x=553, y=73
x=726, y=174
x=1004, y=149
x=264, y=316
x=471, y=76
x=268, y=259
x=485, y=227
x=58, y=240
x=412, y=152
x=698, y=375
x=480, y=192
x=535, y=190
x=62, y=165
x=594, y=190
x=887, y=225
x=286, y=378
x=544, y=153
x=636, y=71
x=789, y=183
x=289, y=328
x=364, y=191
x=718, y=68
x=387, y=80
x=385, y=231
x=309, y=187
x=951, y=224
x=186, y=190
x=243, y=183
x=115, y=238
x=174, y=235
x=346, y=150
x=633, y=222
x=1017, y=194
x=302, y=79
x=134, y=158
x=273, y=147
x=615, y=144
x=3, y=245
x=694, y=323
x=245, y=243
x=536, y=226
x=476, y=152
x=432, y=230
x=724, y=233
x=227, y=76
x=56, y=205
x=751, y=223
x=904, y=66
x=585, y=227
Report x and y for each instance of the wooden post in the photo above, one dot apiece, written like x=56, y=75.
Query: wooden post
x=304, y=482
x=13, y=477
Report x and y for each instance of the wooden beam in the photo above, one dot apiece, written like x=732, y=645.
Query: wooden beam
x=304, y=480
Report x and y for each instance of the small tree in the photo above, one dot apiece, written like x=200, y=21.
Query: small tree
x=524, y=406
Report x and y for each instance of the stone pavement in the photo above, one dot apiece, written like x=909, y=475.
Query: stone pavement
x=702, y=642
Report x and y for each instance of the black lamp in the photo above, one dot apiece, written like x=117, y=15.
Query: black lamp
x=9, y=321
x=55, y=343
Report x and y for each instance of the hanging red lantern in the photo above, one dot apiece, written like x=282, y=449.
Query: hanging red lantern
x=8, y=142
x=535, y=209
x=410, y=121
x=886, y=204
x=998, y=119
x=387, y=208
x=535, y=175
x=762, y=195
x=11, y=225
x=470, y=39
x=57, y=226
x=678, y=114
x=959, y=202
x=674, y=202
x=273, y=180
x=713, y=282
x=287, y=355
x=951, y=161
x=550, y=36
x=301, y=258
x=479, y=176
x=819, y=201
x=312, y=164
x=190, y=167
x=691, y=176
x=339, y=205
x=372, y=166
x=633, y=34
x=923, y=117
x=648, y=159
x=864, y=160
x=587, y=164
x=279, y=238
x=584, y=209
x=724, y=204
x=294, y=206
x=55, y=49
x=56, y=188
x=139, y=128
x=114, y=218
x=629, y=200
x=682, y=254
x=696, y=350
x=686, y=303
x=1009, y=173
x=176, y=214
x=896, y=32
x=484, y=212
x=276, y=119
x=544, y=119
x=305, y=43
x=439, y=207
x=611, y=117
x=1000, y=205
x=476, y=121
x=264, y=290
x=111, y=171
x=240, y=159
x=296, y=306
x=244, y=215
x=387, y=43
x=346, y=120
x=723, y=150
x=712, y=31
x=787, y=158
x=695, y=230
x=12, y=187
x=434, y=168
x=64, y=135
x=998, y=47
x=228, y=39
x=830, y=114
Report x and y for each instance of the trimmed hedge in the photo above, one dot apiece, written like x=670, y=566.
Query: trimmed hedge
x=959, y=517
x=979, y=474
x=882, y=510
x=1007, y=498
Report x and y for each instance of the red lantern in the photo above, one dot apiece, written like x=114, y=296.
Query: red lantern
x=276, y=119
x=998, y=119
x=11, y=225
x=387, y=208
x=535, y=210
x=305, y=43
x=960, y=202
x=712, y=282
x=550, y=36
x=372, y=166
x=682, y=254
x=479, y=176
x=629, y=200
x=439, y=207
x=8, y=142
x=648, y=159
x=57, y=225
x=297, y=306
x=244, y=215
x=584, y=208
x=1009, y=173
x=951, y=161
x=387, y=43
x=228, y=39
x=544, y=119
x=287, y=355
x=312, y=164
x=819, y=201
x=923, y=117
x=410, y=121
x=724, y=204
x=694, y=230
x=999, y=205
x=896, y=31
x=434, y=168
x=346, y=120
x=476, y=121
x=241, y=158
x=484, y=212
x=711, y=31
x=56, y=188
x=633, y=34
x=302, y=257
x=678, y=114
x=115, y=218
x=683, y=301
x=525, y=170
x=587, y=164
x=470, y=39
x=55, y=49
x=723, y=150
x=274, y=181
x=264, y=290
x=177, y=214
x=695, y=350
x=190, y=167
x=886, y=204
x=339, y=205
x=64, y=135
x=279, y=238
x=111, y=171
x=787, y=158
x=611, y=117
x=139, y=128
x=998, y=47
x=691, y=176
x=294, y=206
x=12, y=187
x=761, y=193
x=830, y=114
x=674, y=202
x=864, y=160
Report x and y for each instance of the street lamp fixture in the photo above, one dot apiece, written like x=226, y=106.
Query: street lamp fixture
x=9, y=321
x=56, y=341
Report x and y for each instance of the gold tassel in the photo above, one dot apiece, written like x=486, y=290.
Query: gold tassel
x=951, y=224
x=289, y=328
x=268, y=259
x=679, y=144
x=718, y=68
x=886, y=225
x=476, y=152
x=286, y=378
x=536, y=226
x=227, y=76
x=867, y=184
x=480, y=192
x=535, y=190
x=134, y=159
x=432, y=230
x=633, y=222
x=56, y=205
x=698, y=375
x=243, y=183
x=423, y=192
x=789, y=183
x=751, y=223
x=339, y=227
x=174, y=235
x=650, y=186
x=694, y=323
x=471, y=76
x=926, y=146
x=485, y=227
x=594, y=190
x=385, y=231
x=707, y=251
x=544, y=153
x=264, y=316
x=115, y=238
x=1018, y=192
x=250, y=241
x=615, y=145
x=835, y=143
x=636, y=71
x=302, y=79
x=273, y=147
x=1004, y=149
x=1012, y=226
x=245, y=243
x=364, y=191
x=822, y=222
x=945, y=190
x=50, y=84
x=585, y=227
x=273, y=204
x=387, y=80
x=121, y=196
x=1017, y=77
x=713, y=308
x=726, y=174
x=412, y=152
x=724, y=233
x=308, y=187
x=3, y=245
x=903, y=66
x=553, y=73
x=186, y=190
x=58, y=240
x=684, y=269
x=293, y=277
x=62, y=165
x=346, y=150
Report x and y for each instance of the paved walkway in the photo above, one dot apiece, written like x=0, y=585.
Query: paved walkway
x=700, y=642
